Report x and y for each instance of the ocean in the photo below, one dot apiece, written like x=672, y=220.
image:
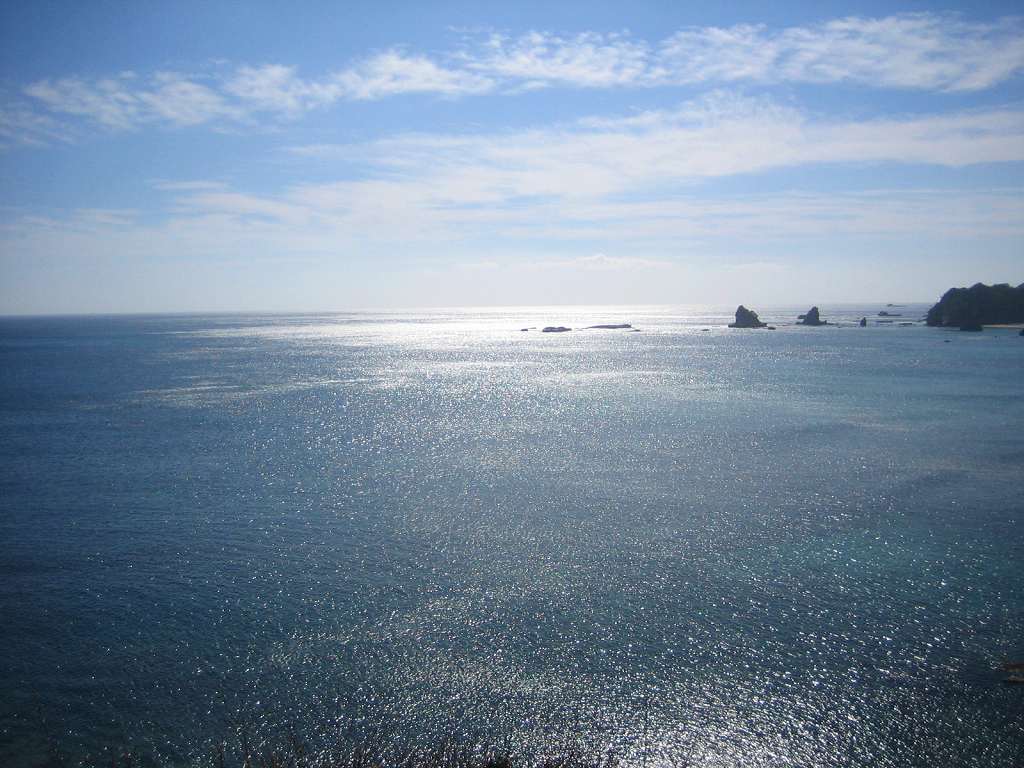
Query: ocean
x=799, y=547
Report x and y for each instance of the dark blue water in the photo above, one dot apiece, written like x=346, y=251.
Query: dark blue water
x=749, y=548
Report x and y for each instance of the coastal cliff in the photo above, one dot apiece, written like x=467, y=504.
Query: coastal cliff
x=979, y=305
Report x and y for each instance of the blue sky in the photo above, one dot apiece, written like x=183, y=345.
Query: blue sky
x=233, y=156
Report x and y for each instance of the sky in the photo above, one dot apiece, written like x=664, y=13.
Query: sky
x=201, y=156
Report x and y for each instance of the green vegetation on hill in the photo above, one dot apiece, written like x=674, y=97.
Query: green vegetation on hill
x=979, y=305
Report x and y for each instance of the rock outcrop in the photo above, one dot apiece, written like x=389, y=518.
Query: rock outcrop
x=746, y=318
x=863, y=322
x=979, y=305
x=813, y=317
x=611, y=327
x=554, y=329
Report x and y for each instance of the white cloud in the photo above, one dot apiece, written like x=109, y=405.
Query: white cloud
x=122, y=103
x=277, y=88
x=924, y=51
x=393, y=73
x=204, y=202
x=834, y=245
x=586, y=59
x=659, y=151
x=600, y=262
x=939, y=52
x=634, y=180
x=182, y=102
x=109, y=102
x=20, y=125
x=127, y=102
x=597, y=262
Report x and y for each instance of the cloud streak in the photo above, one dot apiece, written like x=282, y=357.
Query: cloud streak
x=636, y=182
x=659, y=151
x=916, y=51
x=925, y=51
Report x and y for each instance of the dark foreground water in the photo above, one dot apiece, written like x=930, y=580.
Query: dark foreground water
x=751, y=548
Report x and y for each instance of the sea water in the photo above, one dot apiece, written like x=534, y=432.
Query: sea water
x=733, y=547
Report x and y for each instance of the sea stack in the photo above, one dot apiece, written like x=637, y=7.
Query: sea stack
x=746, y=318
x=863, y=322
x=811, y=318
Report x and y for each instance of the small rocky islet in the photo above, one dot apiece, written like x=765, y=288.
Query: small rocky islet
x=747, y=318
x=564, y=329
x=969, y=309
x=812, y=317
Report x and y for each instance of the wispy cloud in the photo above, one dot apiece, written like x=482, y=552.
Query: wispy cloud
x=394, y=73
x=539, y=59
x=277, y=88
x=603, y=263
x=636, y=180
x=742, y=240
x=180, y=101
x=633, y=177
x=632, y=183
x=937, y=52
x=199, y=185
x=597, y=262
x=924, y=50
x=109, y=102
x=22, y=126
x=655, y=151
x=124, y=102
x=128, y=101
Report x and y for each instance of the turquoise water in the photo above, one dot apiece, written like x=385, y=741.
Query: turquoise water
x=748, y=548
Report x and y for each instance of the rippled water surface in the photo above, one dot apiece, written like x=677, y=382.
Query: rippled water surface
x=742, y=548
